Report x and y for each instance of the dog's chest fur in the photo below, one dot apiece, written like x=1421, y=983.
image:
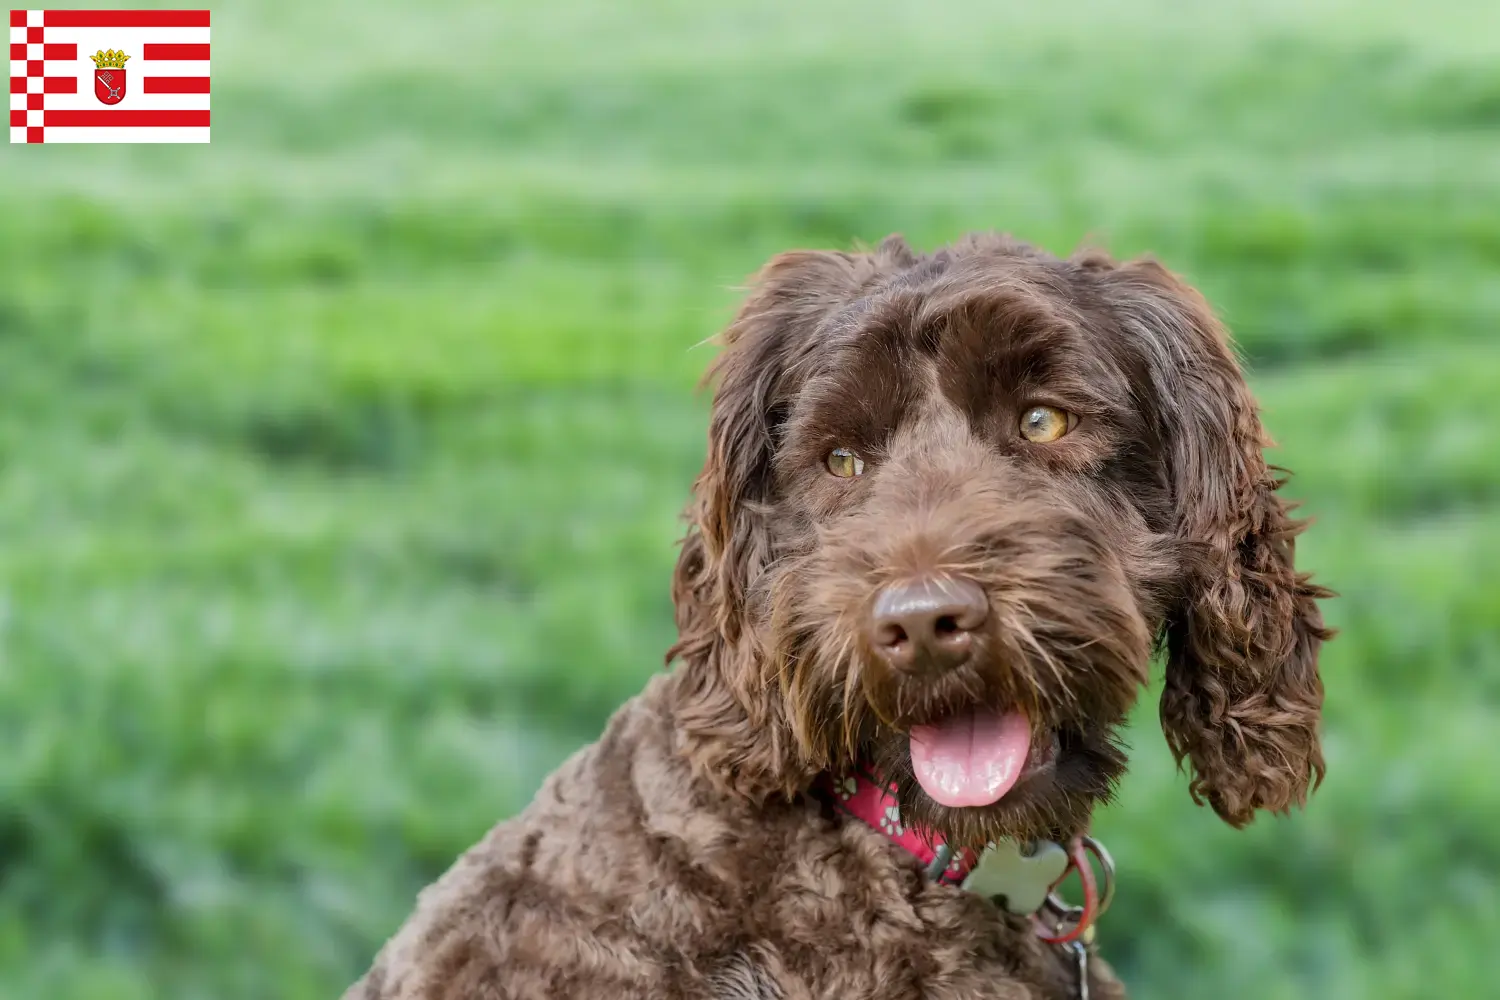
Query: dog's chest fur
x=629, y=878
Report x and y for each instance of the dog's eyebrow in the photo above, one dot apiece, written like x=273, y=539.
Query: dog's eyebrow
x=860, y=395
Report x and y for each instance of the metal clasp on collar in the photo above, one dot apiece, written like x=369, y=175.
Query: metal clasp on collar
x=942, y=857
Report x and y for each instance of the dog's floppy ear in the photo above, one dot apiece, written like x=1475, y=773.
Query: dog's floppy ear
x=732, y=716
x=1243, y=697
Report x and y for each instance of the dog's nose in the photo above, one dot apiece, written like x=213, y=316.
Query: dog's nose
x=927, y=622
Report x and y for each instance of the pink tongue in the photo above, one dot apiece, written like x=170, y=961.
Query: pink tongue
x=973, y=759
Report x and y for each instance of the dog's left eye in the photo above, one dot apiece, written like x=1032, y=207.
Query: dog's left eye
x=844, y=463
x=1043, y=424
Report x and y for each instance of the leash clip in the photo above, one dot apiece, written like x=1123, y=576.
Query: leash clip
x=1080, y=952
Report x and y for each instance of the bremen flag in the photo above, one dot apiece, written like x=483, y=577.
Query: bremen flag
x=109, y=76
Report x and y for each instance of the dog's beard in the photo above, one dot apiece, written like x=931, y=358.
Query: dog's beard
x=838, y=728
x=1066, y=649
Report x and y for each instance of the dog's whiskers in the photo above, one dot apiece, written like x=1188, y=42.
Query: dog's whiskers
x=1065, y=689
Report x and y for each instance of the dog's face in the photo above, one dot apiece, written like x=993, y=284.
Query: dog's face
x=951, y=507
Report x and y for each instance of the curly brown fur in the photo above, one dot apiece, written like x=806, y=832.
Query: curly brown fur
x=1243, y=697
x=630, y=877
x=683, y=856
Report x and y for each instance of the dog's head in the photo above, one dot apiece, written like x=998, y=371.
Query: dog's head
x=952, y=505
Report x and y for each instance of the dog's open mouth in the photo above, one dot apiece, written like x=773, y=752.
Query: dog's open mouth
x=975, y=758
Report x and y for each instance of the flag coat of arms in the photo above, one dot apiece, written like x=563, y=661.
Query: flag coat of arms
x=109, y=76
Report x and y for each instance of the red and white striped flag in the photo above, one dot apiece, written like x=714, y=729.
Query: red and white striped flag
x=109, y=76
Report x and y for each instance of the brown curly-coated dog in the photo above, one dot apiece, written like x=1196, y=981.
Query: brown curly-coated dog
x=952, y=505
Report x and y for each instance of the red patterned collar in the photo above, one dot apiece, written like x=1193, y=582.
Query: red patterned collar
x=861, y=795
x=865, y=797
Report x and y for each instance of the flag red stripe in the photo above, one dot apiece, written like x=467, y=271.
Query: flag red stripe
x=18, y=119
x=18, y=19
x=60, y=50
x=60, y=85
x=175, y=85
x=18, y=51
x=123, y=18
x=106, y=118
x=18, y=85
x=161, y=50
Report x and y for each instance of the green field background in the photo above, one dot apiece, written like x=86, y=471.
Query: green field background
x=341, y=459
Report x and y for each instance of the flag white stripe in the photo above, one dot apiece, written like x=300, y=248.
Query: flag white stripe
x=162, y=67
x=122, y=134
x=132, y=40
x=135, y=99
x=72, y=67
x=129, y=39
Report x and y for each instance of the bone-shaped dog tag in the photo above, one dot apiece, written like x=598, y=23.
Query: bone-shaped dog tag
x=1018, y=875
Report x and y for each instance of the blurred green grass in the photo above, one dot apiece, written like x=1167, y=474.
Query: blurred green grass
x=315, y=441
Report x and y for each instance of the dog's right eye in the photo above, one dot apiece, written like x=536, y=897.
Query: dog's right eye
x=844, y=463
x=1045, y=424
